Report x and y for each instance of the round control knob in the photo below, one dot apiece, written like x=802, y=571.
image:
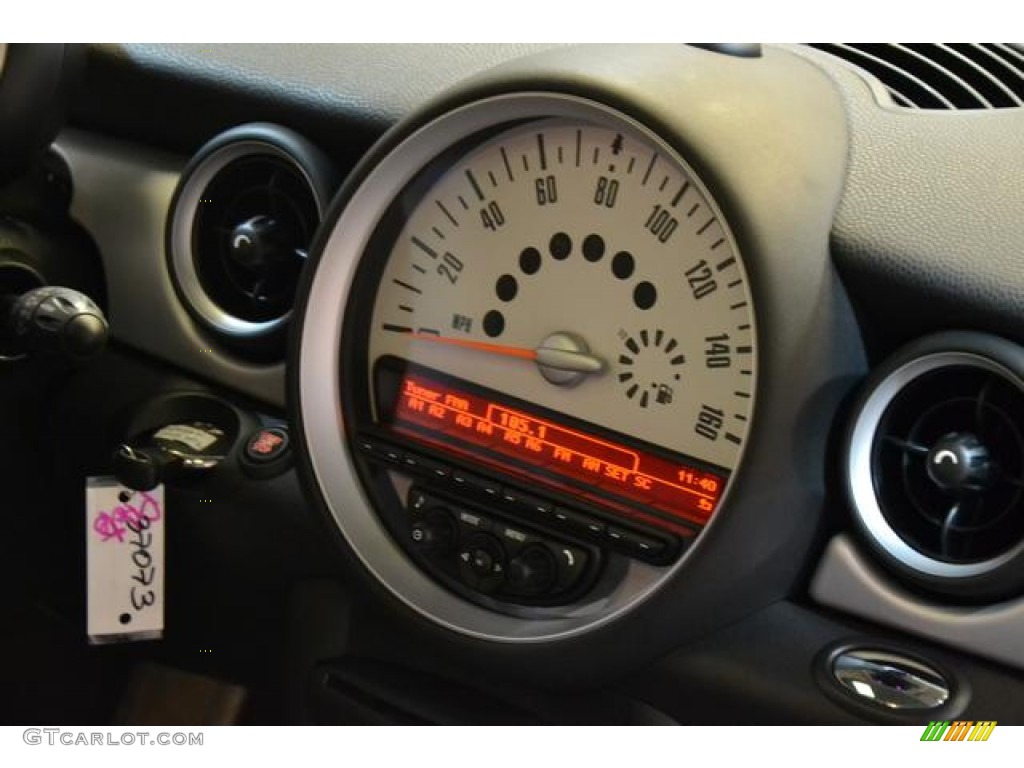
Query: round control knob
x=959, y=462
x=532, y=571
x=482, y=562
x=434, y=532
x=53, y=320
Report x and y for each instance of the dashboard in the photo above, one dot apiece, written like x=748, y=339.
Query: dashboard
x=605, y=384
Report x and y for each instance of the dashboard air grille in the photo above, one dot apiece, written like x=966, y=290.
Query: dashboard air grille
x=939, y=75
x=265, y=203
x=952, y=418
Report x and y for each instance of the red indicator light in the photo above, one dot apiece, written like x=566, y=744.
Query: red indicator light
x=462, y=420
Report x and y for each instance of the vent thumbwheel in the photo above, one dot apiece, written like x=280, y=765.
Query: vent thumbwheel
x=245, y=213
x=936, y=465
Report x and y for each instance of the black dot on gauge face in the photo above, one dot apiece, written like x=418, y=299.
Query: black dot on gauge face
x=494, y=323
x=529, y=261
x=644, y=295
x=506, y=288
x=560, y=246
x=125, y=618
x=623, y=265
x=593, y=248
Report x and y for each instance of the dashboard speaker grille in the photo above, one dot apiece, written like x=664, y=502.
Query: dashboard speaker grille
x=939, y=75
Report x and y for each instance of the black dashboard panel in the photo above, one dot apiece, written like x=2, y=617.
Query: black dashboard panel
x=930, y=226
x=343, y=97
x=864, y=226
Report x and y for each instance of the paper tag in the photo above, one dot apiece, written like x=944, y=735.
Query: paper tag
x=195, y=438
x=124, y=561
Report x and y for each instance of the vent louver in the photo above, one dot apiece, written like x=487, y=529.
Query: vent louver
x=936, y=465
x=250, y=236
x=941, y=76
x=245, y=213
x=961, y=421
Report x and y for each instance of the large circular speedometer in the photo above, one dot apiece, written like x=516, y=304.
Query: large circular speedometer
x=580, y=266
x=548, y=356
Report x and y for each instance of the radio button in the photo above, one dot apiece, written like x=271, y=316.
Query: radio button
x=473, y=521
x=533, y=571
x=435, y=532
x=579, y=522
x=482, y=562
x=571, y=564
x=381, y=451
x=634, y=543
x=526, y=502
x=435, y=469
x=417, y=500
x=515, y=536
x=476, y=484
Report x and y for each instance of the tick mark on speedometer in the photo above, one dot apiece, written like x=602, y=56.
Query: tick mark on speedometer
x=447, y=213
x=680, y=193
x=424, y=247
x=408, y=287
x=508, y=167
x=473, y=183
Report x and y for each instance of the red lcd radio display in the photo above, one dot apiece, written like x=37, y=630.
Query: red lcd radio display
x=458, y=417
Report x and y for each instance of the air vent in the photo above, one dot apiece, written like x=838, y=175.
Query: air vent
x=245, y=213
x=936, y=465
x=942, y=76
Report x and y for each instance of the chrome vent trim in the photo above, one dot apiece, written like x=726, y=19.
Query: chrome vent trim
x=255, y=171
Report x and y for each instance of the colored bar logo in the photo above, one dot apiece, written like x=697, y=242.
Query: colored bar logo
x=959, y=730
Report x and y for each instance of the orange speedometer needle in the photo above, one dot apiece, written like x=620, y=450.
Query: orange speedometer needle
x=481, y=346
x=559, y=352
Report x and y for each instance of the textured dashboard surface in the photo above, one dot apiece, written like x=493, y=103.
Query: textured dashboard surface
x=930, y=230
x=341, y=95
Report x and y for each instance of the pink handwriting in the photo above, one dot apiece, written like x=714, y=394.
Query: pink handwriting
x=127, y=516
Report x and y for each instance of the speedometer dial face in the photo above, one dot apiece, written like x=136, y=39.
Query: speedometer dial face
x=580, y=267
